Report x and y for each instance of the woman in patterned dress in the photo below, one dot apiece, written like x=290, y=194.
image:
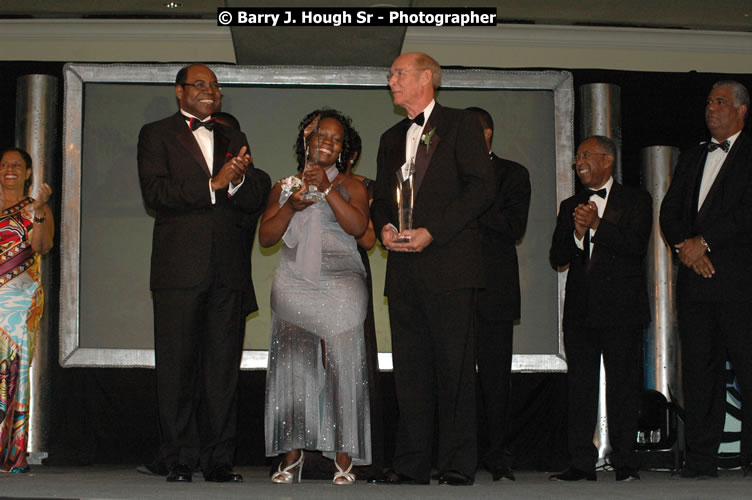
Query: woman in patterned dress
x=26, y=232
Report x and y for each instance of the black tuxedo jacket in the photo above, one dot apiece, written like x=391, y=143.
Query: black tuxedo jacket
x=501, y=226
x=609, y=289
x=724, y=220
x=188, y=227
x=457, y=187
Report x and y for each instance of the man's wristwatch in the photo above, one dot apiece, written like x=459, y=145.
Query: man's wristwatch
x=704, y=243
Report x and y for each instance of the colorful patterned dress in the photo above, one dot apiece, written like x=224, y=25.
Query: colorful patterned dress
x=21, y=305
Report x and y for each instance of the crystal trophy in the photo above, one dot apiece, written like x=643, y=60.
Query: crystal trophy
x=405, y=199
x=312, y=194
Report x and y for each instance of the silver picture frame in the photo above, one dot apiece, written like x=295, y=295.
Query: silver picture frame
x=76, y=76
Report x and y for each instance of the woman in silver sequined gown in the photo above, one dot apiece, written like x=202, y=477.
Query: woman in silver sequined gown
x=317, y=385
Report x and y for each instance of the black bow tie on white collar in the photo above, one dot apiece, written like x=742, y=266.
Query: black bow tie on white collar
x=600, y=192
x=420, y=119
x=195, y=124
x=725, y=146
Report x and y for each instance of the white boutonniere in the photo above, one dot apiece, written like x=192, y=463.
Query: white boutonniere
x=426, y=138
x=291, y=184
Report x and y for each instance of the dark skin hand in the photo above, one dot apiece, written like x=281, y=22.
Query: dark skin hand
x=297, y=202
x=314, y=175
x=277, y=218
x=693, y=254
x=232, y=171
x=585, y=217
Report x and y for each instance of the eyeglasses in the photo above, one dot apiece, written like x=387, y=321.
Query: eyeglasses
x=399, y=73
x=202, y=86
x=16, y=165
x=586, y=155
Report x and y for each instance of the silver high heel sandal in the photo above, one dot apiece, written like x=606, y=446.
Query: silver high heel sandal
x=343, y=477
x=290, y=474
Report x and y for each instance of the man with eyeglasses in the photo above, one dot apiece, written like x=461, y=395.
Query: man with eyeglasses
x=199, y=178
x=432, y=271
x=602, y=236
x=706, y=217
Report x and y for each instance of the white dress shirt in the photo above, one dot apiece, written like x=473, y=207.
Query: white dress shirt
x=601, y=204
x=414, y=133
x=713, y=164
x=205, y=139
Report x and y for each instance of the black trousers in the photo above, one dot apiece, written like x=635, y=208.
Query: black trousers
x=711, y=333
x=434, y=373
x=621, y=347
x=198, y=340
x=493, y=339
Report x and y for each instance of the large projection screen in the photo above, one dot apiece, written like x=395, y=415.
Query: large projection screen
x=106, y=312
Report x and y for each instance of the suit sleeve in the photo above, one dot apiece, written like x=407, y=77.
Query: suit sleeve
x=161, y=190
x=508, y=215
x=252, y=194
x=675, y=226
x=563, y=248
x=476, y=175
x=734, y=225
x=382, y=195
x=631, y=234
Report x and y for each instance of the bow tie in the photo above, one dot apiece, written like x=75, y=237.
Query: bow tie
x=725, y=146
x=600, y=192
x=196, y=124
x=420, y=119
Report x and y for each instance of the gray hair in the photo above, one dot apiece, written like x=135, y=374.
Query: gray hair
x=605, y=142
x=739, y=91
x=424, y=61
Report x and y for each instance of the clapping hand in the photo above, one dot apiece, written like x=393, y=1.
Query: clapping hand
x=43, y=196
x=585, y=217
x=232, y=171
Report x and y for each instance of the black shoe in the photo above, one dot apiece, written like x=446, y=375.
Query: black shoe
x=223, y=474
x=573, y=474
x=454, y=478
x=392, y=477
x=627, y=474
x=688, y=472
x=180, y=473
x=500, y=473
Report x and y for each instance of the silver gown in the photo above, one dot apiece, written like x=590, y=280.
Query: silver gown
x=316, y=382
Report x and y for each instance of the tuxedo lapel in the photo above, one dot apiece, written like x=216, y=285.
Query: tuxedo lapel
x=221, y=154
x=612, y=214
x=186, y=139
x=728, y=166
x=401, y=146
x=429, y=140
x=696, y=176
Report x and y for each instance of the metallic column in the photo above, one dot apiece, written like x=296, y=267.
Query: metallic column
x=36, y=132
x=600, y=114
x=661, y=337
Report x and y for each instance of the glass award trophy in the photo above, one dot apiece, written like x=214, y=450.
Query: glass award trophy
x=405, y=198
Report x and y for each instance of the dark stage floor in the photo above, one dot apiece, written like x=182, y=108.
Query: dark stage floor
x=122, y=482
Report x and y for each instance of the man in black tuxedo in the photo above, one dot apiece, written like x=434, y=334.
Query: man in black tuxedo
x=430, y=279
x=602, y=234
x=200, y=181
x=498, y=305
x=706, y=216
